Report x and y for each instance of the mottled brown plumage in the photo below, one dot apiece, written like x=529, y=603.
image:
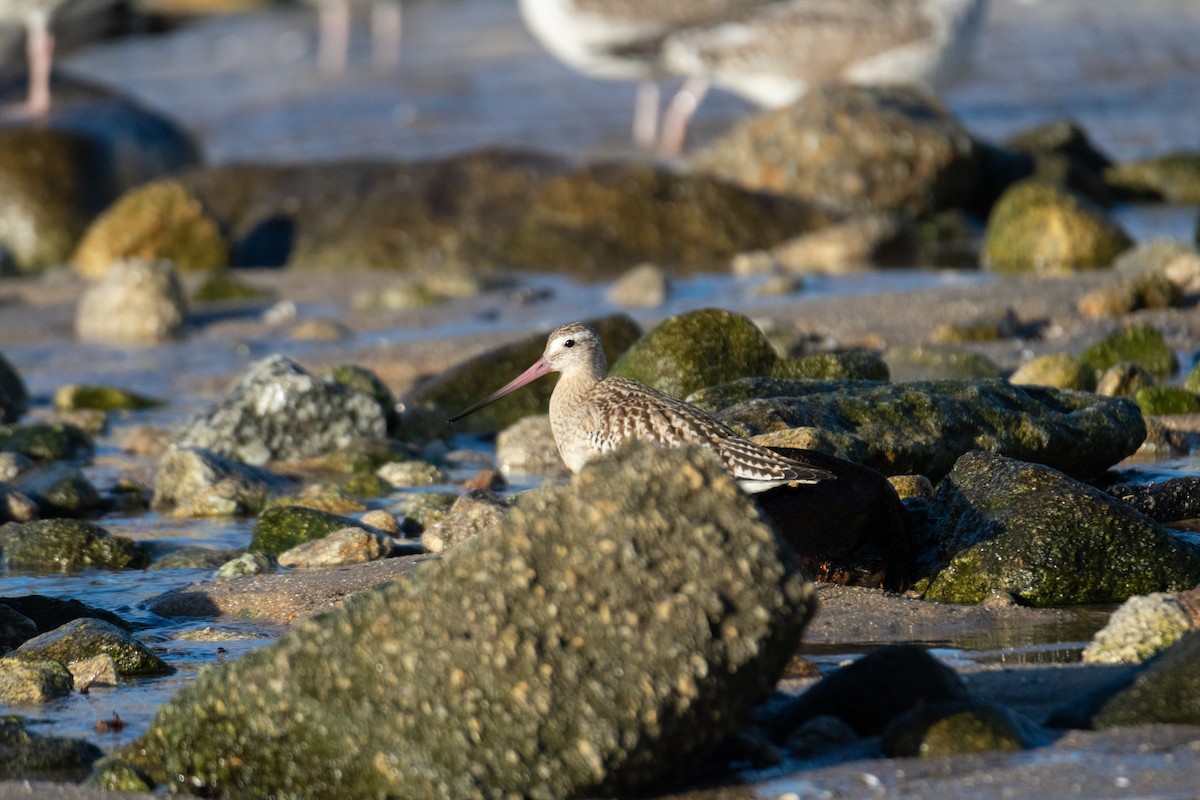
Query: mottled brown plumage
x=591, y=414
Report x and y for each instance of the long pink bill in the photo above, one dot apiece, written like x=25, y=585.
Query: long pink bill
x=539, y=368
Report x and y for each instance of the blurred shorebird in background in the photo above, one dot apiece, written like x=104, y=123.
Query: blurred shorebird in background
x=333, y=32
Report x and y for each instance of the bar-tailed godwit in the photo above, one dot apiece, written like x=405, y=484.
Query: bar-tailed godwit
x=592, y=414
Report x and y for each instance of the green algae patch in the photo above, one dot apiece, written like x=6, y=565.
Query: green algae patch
x=1167, y=400
x=67, y=545
x=282, y=528
x=1139, y=344
x=102, y=398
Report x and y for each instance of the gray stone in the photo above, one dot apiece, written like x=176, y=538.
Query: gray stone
x=194, y=482
x=343, y=546
x=472, y=514
x=527, y=447
x=504, y=668
x=644, y=286
x=136, y=302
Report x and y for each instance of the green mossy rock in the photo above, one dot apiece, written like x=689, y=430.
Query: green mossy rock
x=87, y=637
x=115, y=775
x=67, y=545
x=923, y=427
x=30, y=757
x=957, y=728
x=25, y=683
x=1167, y=400
x=1139, y=344
x=429, y=405
x=54, y=441
x=1060, y=370
x=697, y=349
x=1172, y=178
x=1039, y=228
x=853, y=365
x=282, y=528
x=103, y=398
x=503, y=669
x=163, y=220
x=1166, y=691
x=1007, y=526
x=14, y=398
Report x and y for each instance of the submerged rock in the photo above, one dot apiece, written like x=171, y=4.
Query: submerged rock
x=923, y=427
x=67, y=545
x=279, y=411
x=1003, y=525
x=524, y=690
x=87, y=637
x=136, y=302
x=697, y=349
x=854, y=148
x=194, y=482
x=1039, y=228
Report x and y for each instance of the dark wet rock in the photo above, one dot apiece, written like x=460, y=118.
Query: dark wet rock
x=60, y=490
x=14, y=399
x=88, y=637
x=527, y=447
x=136, y=302
x=193, y=558
x=1124, y=379
x=473, y=513
x=424, y=510
x=644, y=286
x=1173, y=178
x=923, y=427
x=1059, y=370
x=937, y=362
x=873, y=691
x=850, y=364
x=490, y=207
x=353, y=545
x=697, y=349
x=1142, y=627
x=32, y=682
x=282, y=528
x=1166, y=400
x=1039, y=228
x=431, y=402
x=194, y=482
x=957, y=727
x=104, y=398
x=47, y=441
x=1165, y=501
x=26, y=756
x=850, y=531
x=160, y=221
x=279, y=411
x=1004, y=525
x=15, y=627
x=1062, y=153
x=1139, y=344
x=1151, y=290
x=56, y=177
x=67, y=545
x=855, y=148
x=48, y=613
x=1166, y=690
x=364, y=380
x=536, y=665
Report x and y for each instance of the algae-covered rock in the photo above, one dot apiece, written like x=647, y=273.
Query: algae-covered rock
x=923, y=427
x=163, y=220
x=279, y=411
x=851, y=364
x=526, y=640
x=958, y=727
x=73, y=396
x=697, y=349
x=47, y=441
x=1008, y=526
x=193, y=482
x=30, y=757
x=67, y=545
x=60, y=490
x=1192, y=381
x=282, y=528
x=1173, y=178
x=14, y=398
x=1060, y=370
x=1142, y=627
x=1166, y=691
x=31, y=682
x=87, y=637
x=937, y=362
x=364, y=380
x=135, y=302
x=1139, y=344
x=855, y=148
x=1166, y=400
x=114, y=775
x=1040, y=228
x=430, y=403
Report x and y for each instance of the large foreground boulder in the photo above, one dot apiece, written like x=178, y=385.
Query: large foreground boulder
x=609, y=632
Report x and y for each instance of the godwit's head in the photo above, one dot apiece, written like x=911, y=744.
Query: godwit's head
x=573, y=349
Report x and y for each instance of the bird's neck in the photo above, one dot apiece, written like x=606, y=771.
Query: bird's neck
x=572, y=386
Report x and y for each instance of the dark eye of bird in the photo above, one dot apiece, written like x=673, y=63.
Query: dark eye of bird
x=569, y=343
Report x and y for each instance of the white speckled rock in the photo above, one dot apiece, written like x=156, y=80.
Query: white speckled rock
x=136, y=302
